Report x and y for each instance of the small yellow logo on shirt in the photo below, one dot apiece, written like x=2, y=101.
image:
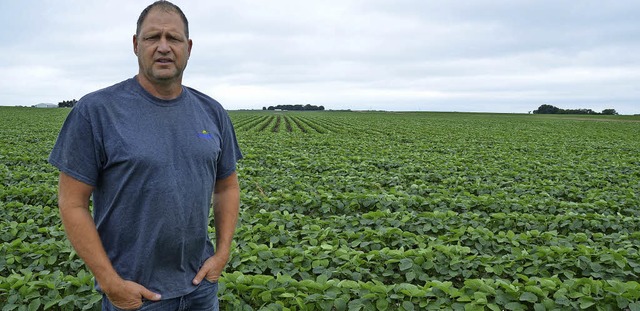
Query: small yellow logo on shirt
x=204, y=134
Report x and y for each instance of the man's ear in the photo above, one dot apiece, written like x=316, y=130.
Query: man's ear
x=135, y=44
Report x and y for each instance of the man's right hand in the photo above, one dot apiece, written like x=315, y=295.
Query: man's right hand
x=128, y=295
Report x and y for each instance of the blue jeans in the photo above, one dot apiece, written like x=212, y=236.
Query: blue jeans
x=204, y=298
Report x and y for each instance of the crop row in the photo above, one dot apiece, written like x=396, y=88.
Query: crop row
x=591, y=226
x=285, y=235
x=363, y=235
x=289, y=123
x=436, y=261
x=239, y=291
x=320, y=202
x=247, y=292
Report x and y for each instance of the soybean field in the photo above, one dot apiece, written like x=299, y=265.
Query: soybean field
x=377, y=211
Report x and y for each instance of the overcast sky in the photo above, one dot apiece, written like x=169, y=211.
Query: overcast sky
x=479, y=56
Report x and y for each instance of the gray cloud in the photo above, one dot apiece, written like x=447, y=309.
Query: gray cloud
x=502, y=56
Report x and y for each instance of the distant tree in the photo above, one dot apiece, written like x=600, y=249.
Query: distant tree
x=547, y=109
x=67, y=103
x=577, y=111
x=264, y=108
x=306, y=107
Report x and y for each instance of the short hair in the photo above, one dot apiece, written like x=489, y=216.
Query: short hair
x=166, y=6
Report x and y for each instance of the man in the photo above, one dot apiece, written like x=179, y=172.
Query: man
x=150, y=152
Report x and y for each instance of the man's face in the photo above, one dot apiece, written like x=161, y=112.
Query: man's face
x=162, y=47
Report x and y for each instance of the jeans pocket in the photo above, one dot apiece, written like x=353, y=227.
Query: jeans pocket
x=118, y=309
x=107, y=305
x=114, y=308
x=209, y=281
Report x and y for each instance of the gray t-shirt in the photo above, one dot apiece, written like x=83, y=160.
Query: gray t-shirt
x=153, y=164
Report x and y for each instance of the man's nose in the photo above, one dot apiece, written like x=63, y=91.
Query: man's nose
x=163, y=45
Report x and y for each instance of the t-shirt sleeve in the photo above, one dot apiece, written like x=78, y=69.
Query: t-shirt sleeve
x=76, y=152
x=230, y=151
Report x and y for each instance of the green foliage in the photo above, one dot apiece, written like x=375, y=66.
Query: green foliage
x=549, y=109
x=67, y=103
x=376, y=211
x=306, y=107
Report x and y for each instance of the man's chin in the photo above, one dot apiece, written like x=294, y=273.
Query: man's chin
x=166, y=78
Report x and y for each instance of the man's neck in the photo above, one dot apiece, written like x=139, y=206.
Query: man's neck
x=168, y=91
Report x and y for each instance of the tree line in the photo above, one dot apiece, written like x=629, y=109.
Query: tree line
x=67, y=103
x=294, y=107
x=549, y=109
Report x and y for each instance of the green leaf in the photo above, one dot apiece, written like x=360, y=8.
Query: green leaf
x=355, y=305
x=411, y=275
x=405, y=264
x=50, y=304
x=266, y=296
x=52, y=259
x=634, y=306
x=586, y=302
x=67, y=299
x=340, y=304
x=480, y=298
x=349, y=284
x=515, y=306
x=563, y=301
x=274, y=239
x=529, y=297
x=408, y=306
x=575, y=295
x=539, y=307
x=382, y=304
x=9, y=307
x=34, y=305
x=95, y=299
x=322, y=279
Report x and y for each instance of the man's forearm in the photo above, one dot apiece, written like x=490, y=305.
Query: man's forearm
x=73, y=201
x=226, y=205
x=225, y=213
x=82, y=234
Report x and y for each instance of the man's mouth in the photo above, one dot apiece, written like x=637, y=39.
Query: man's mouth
x=164, y=60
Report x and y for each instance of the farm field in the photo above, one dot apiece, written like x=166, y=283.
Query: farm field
x=377, y=211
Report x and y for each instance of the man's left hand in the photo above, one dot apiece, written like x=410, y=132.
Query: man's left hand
x=211, y=269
